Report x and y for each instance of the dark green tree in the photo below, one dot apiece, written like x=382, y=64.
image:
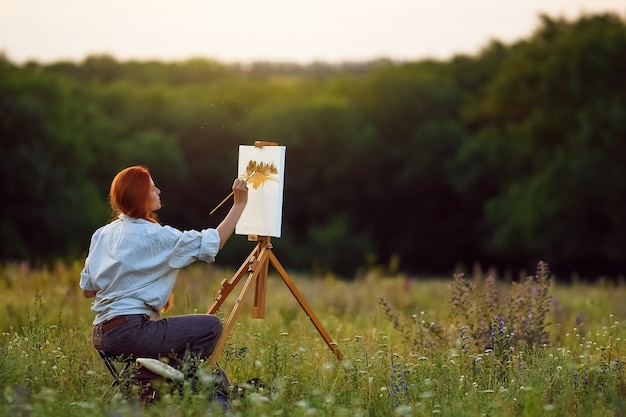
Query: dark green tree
x=47, y=202
x=552, y=122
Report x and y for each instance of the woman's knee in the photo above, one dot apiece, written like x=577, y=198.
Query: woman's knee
x=216, y=325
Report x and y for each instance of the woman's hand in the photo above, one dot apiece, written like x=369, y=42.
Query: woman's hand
x=240, y=191
x=89, y=294
x=227, y=226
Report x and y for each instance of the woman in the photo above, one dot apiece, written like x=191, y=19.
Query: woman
x=131, y=269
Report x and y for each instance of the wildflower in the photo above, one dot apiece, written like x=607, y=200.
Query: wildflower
x=403, y=410
x=47, y=394
x=257, y=399
x=84, y=404
x=399, y=386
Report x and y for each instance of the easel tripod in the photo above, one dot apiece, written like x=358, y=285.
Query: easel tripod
x=257, y=267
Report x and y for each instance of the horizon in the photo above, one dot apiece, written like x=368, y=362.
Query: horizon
x=277, y=31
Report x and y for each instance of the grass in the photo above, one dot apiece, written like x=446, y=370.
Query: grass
x=458, y=346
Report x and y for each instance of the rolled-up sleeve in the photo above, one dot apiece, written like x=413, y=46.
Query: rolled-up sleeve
x=85, y=281
x=210, y=245
x=192, y=246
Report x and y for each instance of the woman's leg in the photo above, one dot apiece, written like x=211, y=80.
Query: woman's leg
x=177, y=339
x=174, y=337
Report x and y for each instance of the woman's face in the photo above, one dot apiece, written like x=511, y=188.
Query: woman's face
x=154, y=201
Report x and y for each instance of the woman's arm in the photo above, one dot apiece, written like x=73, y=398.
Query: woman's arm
x=227, y=227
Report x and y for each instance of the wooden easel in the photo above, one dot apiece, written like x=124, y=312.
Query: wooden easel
x=257, y=267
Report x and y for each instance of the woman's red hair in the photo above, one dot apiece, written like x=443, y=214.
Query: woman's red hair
x=129, y=193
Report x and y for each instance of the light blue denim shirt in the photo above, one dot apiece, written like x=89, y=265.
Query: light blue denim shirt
x=133, y=263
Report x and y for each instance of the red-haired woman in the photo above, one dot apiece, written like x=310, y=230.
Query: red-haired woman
x=131, y=269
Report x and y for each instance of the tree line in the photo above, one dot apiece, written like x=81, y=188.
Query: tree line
x=506, y=157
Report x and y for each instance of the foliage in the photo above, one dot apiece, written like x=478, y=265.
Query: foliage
x=48, y=366
x=483, y=315
x=503, y=158
x=45, y=157
x=549, y=124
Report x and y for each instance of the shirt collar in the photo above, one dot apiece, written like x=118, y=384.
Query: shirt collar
x=127, y=218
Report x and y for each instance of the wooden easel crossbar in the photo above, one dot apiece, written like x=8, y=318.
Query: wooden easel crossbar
x=257, y=268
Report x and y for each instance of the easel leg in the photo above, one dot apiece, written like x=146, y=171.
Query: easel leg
x=257, y=266
x=230, y=323
x=258, y=310
x=227, y=286
x=305, y=306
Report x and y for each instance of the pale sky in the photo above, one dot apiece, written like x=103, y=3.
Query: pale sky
x=300, y=31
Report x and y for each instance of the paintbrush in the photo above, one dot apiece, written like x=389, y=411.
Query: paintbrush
x=229, y=195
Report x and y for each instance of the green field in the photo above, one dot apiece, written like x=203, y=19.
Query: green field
x=453, y=346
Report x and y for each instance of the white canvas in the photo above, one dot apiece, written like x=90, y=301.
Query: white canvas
x=264, y=168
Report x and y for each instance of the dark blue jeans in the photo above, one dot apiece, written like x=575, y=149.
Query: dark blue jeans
x=175, y=338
